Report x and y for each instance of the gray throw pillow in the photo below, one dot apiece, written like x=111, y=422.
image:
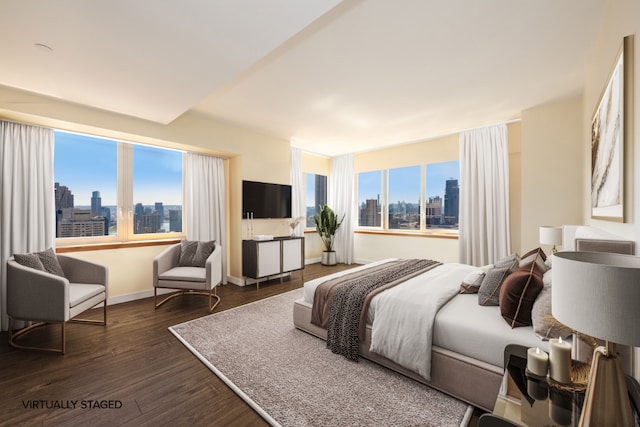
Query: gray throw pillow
x=29, y=260
x=194, y=253
x=489, y=292
x=188, y=250
x=507, y=261
x=544, y=324
x=50, y=262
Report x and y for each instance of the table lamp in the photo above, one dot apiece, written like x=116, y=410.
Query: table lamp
x=597, y=294
x=550, y=235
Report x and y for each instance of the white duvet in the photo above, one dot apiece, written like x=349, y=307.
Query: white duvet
x=402, y=328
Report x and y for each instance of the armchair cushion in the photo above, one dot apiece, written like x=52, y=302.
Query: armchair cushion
x=43, y=261
x=184, y=274
x=194, y=253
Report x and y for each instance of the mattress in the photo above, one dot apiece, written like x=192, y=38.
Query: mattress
x=465, y=327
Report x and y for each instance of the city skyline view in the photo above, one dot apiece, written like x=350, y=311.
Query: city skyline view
x=405, y=185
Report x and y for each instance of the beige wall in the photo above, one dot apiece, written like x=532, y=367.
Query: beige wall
x=622, y=18
x=552, y=170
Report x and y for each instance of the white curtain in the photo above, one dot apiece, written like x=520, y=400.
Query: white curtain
x=298, y=204
x=27, y=205
x=205, y=201
x=342, y=201
x=484, y=195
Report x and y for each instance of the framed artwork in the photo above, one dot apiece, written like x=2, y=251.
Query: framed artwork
x=611, y=141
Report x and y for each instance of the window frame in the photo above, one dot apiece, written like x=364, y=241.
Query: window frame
x=125, y=208
x=384, y=205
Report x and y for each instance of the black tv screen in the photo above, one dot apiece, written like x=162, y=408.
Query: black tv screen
x=265, y=200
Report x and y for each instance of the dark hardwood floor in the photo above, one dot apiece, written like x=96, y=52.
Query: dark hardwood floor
x=133, y=364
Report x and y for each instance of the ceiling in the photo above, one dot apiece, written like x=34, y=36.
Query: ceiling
x=331, y=76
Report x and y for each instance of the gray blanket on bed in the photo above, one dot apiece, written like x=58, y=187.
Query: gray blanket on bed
x=349, y=302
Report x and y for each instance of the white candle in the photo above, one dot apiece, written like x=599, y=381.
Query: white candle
x=560, y=360
x=537, y=361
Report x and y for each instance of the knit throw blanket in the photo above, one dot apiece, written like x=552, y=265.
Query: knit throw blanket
x=350, y=302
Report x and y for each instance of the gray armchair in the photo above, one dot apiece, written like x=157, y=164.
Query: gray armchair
x=43, y=297
x=190, y=280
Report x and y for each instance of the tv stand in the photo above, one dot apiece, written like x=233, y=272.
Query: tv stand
x=265, y=259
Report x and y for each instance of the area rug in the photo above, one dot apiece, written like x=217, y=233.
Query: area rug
x=291, y=379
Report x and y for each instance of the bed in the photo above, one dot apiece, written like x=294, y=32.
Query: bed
x=467, y=339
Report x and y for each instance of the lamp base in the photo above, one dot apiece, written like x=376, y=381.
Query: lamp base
x=607, y=400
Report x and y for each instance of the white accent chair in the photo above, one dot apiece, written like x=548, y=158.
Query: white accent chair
x=43, y=297
x=190, y=280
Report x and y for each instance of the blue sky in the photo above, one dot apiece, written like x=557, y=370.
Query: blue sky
x=86, y=164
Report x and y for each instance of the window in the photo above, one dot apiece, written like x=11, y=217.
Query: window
x=404, y=193
x=441, y=208
x=369, y=204
x=404, y=198
x=157, y=190
x=316, y=196
x=98, y=181
x=86, y=183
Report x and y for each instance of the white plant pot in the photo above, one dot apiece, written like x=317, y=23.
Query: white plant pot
x=329, y=258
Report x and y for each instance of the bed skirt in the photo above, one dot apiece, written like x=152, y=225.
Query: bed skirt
x=462, y=377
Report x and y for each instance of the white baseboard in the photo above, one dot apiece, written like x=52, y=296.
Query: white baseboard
x=135, y=296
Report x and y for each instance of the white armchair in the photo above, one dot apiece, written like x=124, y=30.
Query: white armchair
x=191, y=280
x=44, y=297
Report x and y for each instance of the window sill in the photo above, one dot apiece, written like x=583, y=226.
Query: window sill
x=439, y=234
x=115, y=245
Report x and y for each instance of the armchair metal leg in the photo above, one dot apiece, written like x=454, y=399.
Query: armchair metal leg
x=13, y=336
x=212, y=294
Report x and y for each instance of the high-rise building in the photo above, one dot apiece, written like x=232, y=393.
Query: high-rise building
x=175, y=220
x=369, y=214
x=96, y=203
x=433, y=211
x=81, y=223
x=160, y=210
x=451, y=202
x=63, y=196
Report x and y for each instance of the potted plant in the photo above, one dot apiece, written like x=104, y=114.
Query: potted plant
x=326, y=225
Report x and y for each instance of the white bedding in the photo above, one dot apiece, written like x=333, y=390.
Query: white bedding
x=479, y=332
x=402, y=329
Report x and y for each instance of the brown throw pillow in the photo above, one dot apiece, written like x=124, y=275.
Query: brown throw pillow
x=536, y=255
x=518, y=293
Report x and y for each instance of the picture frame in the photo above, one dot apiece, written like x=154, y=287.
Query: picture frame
x=612, y=142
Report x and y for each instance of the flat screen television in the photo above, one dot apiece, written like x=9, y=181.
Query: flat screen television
x=265, y=200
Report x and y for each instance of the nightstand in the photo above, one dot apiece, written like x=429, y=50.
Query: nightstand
x=526, y=400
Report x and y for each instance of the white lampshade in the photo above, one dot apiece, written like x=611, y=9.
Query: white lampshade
x=598, y=294
x=550, y=235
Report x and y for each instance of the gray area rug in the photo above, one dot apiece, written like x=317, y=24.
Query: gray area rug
x=290, y=378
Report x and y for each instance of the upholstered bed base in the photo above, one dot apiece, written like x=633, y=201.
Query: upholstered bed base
x=467, y=379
